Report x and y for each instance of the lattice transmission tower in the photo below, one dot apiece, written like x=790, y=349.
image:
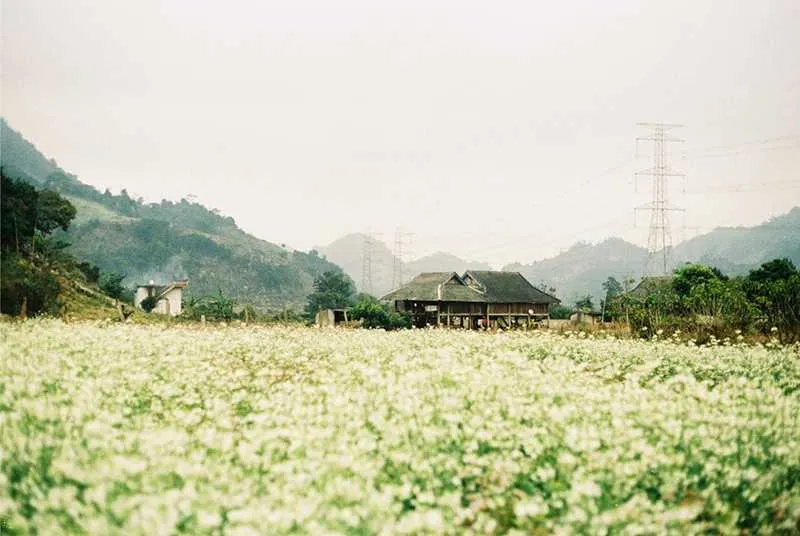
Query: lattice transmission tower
x=402, y=242
x=367, y=262
x=659, y=240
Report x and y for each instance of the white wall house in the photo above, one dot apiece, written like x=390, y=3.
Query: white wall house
x=169, y=296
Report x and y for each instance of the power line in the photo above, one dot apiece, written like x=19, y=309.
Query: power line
x=742, y=145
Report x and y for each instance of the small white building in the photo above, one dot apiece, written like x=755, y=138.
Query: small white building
x=169, y=297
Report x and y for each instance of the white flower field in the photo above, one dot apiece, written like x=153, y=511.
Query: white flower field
x=125, y=429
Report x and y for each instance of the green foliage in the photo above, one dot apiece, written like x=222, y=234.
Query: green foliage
x=174, y=239
x=29, y=216
x=371, y=312
x=612, y=287
x=53, y=212
x=27, y=287
x=90, y=271
x=585, y=304
x=560, y=312
x=214, y=307
x=111, y=284
x=703, y=302
x=375, y=314
x=775, y=289
x=332, y=290
x=148, y=304
x=30, y=256
x=17, y=212
x=691, y=276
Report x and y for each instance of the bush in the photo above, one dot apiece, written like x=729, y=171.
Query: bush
x=219, y=307
x=149, y=303
x=374, y=314
x=28, y=288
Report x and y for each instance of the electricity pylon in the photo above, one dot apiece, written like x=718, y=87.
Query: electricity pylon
x=659, y=240
x=402, y=241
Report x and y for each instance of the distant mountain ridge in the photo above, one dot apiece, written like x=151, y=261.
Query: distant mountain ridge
x=583, y=268
x=173, y=240
x=348, y=252
x=168, y=240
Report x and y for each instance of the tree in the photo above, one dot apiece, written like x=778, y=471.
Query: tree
x=560, y=312
x=613, y=289
x=26, y=211
x=91, y=271
x=370, y=311
x=213, y=307
x=690, y=276
x=27, y=288
x=29, y=284
x=775, y=289
x=52, y=212
x=332, y=290
x=17, y=212
x=585, y=304
x=111, y=284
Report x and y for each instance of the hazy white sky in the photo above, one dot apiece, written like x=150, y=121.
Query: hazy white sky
x=498, y=131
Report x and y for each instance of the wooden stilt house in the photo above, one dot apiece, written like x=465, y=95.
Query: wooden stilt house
x=510, y=299
x=476, y=299
x=438, y=298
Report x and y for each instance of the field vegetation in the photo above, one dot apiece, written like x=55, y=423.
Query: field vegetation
x=113, y=428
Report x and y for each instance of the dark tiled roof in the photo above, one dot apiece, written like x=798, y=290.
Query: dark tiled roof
x=649, y=285
x=507, y=287
x=436, y=286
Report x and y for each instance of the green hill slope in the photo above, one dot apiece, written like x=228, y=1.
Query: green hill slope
x=583, y=268
x=736, y=250
x=167, y=240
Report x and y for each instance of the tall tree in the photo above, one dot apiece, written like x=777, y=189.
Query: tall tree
x=332, y=290
x=17, y=212
x=613, y=289
x=26, y=211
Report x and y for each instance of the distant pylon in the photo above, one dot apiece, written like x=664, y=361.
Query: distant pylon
x=659, y=240
x=366, y=265
x=401, y=243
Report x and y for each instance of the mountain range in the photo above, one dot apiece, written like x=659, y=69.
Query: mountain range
x=581, y=270
x=168, y=240
x=349, y=253
x=175, y=240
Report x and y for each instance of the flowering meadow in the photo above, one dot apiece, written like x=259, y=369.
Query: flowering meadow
x=125, y=429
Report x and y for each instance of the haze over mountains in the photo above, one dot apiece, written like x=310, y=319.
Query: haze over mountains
x=171, y=240
x=581, y=270
x=348, y=252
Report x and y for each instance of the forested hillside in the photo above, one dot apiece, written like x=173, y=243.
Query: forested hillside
x=168, y=240
x=582, y=269
x=736, y=250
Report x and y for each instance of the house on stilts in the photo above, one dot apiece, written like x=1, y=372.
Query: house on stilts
x=473, y=300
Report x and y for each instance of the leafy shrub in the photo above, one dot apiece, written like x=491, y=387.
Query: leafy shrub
x=149, y=303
